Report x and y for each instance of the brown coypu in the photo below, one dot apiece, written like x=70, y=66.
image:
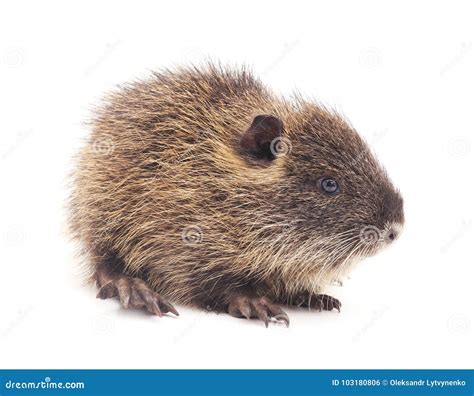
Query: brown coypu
x=201, y=186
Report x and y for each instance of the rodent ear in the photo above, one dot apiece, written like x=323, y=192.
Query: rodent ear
x=257, y=140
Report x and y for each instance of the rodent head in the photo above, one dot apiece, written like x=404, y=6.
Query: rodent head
x=337, y=193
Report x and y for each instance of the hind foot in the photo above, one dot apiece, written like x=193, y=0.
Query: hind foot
x=132, y=292
x=318, y=302
x=242, y=306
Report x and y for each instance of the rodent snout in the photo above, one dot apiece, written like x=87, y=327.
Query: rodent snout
x=392, y=235
x=392, y=232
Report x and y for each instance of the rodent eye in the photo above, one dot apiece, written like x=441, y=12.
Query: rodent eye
x=328, y=185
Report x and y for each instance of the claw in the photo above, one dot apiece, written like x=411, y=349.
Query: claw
x=169, y=308
x=134, y=293
x=262, y=314
x=154, y=309
x=124, y=292
x=318, y=302
x=246, y=311
x=136, y=299
x=107, y=291
x=257, y=307
x=327, y=303
x=284, y=318
x=240, y=307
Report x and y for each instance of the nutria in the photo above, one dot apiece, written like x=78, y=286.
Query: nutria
x=202, y=187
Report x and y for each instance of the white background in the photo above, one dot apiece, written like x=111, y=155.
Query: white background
x=402, y=73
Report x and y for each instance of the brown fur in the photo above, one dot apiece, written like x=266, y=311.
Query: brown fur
x=165, y=157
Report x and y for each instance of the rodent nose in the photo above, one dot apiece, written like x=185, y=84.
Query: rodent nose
x=392, y=232
x=392, y=235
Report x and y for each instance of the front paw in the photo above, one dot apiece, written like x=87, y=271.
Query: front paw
x=319, y=302
x=257, y=307
x=325, y=302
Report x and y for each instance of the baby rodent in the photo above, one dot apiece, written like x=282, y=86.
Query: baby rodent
x=201, y=187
